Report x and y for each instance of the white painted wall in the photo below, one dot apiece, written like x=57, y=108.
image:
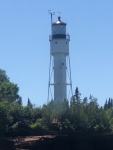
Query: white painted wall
x=59, y=46
x=59, y=49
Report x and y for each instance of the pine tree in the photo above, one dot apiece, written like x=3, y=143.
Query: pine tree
x=29, y=103
x=77, y=95
x=106, y=105
x=109, y=103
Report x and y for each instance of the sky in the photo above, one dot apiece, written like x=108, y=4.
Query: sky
x=25, y=49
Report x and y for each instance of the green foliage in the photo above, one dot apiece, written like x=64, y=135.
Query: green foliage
x=3, y=77
x=39, y=127
x=55, y=117
x=8, y=90
x=5, y=118
x=108, y=104
x=66, y=126
x=29, y=103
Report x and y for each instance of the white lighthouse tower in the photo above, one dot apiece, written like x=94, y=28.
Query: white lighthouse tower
x=59, y=61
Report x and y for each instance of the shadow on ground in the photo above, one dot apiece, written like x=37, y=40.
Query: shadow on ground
x=77, y=142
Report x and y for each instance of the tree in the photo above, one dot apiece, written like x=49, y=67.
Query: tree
x=76, y=110
x=85, y=102
x=109, y=103
x=5, y=118
x=29, y=103
x=77, y=95
x=106, y=105
x=75, y=100
x=3, y=76
x=8, y=90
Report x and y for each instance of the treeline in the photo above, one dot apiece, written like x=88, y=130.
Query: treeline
x=78, y=115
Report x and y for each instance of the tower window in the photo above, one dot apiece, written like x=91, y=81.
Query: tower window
x=62, y=64
x=55, y=42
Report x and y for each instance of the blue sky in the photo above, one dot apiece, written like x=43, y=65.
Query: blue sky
x=24, y=45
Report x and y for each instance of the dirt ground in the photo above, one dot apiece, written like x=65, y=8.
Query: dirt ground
x=76, y=142
x=50, y=142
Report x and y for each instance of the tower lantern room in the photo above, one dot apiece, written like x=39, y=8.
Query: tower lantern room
x=59, y=29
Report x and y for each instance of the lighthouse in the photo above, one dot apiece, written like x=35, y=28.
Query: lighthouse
x=59, y=53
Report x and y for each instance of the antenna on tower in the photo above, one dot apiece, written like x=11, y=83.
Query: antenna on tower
x=51, y=13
